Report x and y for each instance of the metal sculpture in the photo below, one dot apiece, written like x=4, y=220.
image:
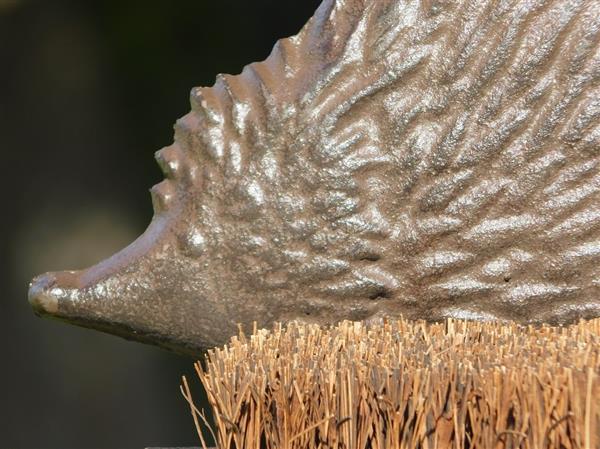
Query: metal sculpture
x=425, y=158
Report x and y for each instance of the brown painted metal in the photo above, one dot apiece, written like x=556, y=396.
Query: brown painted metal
x=426, y=158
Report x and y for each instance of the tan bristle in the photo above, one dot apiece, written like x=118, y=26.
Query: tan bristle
x=406, y=384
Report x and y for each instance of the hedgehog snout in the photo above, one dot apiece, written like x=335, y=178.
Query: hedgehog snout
x=47, y=290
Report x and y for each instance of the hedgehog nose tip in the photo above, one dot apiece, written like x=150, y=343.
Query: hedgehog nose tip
x=43, y=294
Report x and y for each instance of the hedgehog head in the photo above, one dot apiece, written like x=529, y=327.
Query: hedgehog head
x=159, y=289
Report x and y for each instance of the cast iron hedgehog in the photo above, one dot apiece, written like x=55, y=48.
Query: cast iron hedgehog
x=426, y=158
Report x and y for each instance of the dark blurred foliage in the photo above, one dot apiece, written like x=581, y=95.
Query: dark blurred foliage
x=89, y=90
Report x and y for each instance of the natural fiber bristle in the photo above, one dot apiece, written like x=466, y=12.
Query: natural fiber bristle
x=406, y=384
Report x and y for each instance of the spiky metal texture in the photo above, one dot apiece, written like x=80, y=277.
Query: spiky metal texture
x=435, y=159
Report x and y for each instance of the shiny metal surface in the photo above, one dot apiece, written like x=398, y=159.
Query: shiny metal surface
x=423, y=158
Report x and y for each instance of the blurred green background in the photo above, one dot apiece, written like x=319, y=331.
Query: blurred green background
x=89, y=90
